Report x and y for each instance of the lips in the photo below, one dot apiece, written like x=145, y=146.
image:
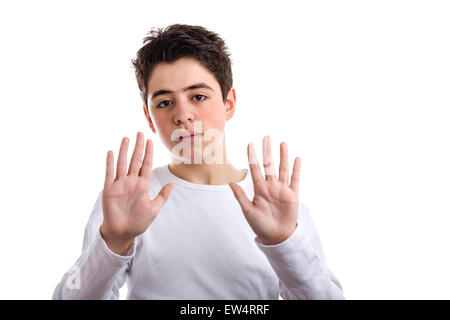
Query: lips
x=189, y=137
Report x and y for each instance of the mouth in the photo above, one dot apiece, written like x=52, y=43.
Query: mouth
x=189, y=137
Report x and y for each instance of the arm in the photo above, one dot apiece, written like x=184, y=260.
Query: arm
x=98, y=273
x=291, y=244
x=300, y=264
x=123, y=212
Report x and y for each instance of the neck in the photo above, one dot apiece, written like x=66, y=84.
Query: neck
x=210, y=174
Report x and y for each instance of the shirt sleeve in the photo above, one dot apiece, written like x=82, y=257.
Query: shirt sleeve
x=300, y=264
x=98, y=273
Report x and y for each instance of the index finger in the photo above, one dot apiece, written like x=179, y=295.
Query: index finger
x=147, y=163
x=109, y=176
x=253, y=163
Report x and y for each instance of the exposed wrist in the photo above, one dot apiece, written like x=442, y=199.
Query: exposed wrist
x=118, y=246
x=279, y=239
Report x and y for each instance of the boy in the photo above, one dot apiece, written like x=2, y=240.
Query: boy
x=212, y=231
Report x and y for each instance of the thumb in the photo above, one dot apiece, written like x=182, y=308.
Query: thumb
x=162, y=197
x=241, y=197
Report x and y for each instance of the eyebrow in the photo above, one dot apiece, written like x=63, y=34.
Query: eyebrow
x=194, y=86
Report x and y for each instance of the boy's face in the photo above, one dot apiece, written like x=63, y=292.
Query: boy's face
x=183, y=92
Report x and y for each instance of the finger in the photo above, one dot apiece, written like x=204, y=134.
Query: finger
x=122, y=159
x=267, y=160
x=109, y=176
x=295, y=179
x=162, y=197
x=146, y=169
x=253, y=163
x=284, y=163
x=136, y=158
x=241, y=197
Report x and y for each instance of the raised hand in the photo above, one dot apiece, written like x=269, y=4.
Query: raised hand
x=273, y=213
x=127, y=207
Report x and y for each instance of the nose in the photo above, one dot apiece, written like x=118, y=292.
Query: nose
x=183, y=114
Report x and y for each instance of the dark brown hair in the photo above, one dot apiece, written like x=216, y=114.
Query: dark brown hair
x=178, y=41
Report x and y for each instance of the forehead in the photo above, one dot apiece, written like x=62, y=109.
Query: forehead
x=180, y=74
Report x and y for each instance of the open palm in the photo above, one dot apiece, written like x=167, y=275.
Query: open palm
x=127, y=207
x=273, y=213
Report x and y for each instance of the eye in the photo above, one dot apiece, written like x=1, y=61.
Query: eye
x=163, y=104
x=200, y=96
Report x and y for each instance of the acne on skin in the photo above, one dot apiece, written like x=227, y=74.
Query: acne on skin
x=181, y=93
x=183, y=110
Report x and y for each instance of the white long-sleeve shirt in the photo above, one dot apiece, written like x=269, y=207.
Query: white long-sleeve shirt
x=200, y=246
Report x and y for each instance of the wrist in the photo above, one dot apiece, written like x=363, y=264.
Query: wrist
x=118, y=246
x=279, y=239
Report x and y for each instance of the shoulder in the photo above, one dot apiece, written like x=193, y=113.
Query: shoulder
x=303, y=211
x=158, y=179
x=158, y=172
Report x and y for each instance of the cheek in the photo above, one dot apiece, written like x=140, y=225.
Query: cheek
x=165, y=132
x=214, y=119
x=163, y=129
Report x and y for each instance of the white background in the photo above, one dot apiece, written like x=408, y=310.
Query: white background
x=358, y=89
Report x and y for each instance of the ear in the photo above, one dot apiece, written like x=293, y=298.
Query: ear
x=149, y=119
x=230, y=104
